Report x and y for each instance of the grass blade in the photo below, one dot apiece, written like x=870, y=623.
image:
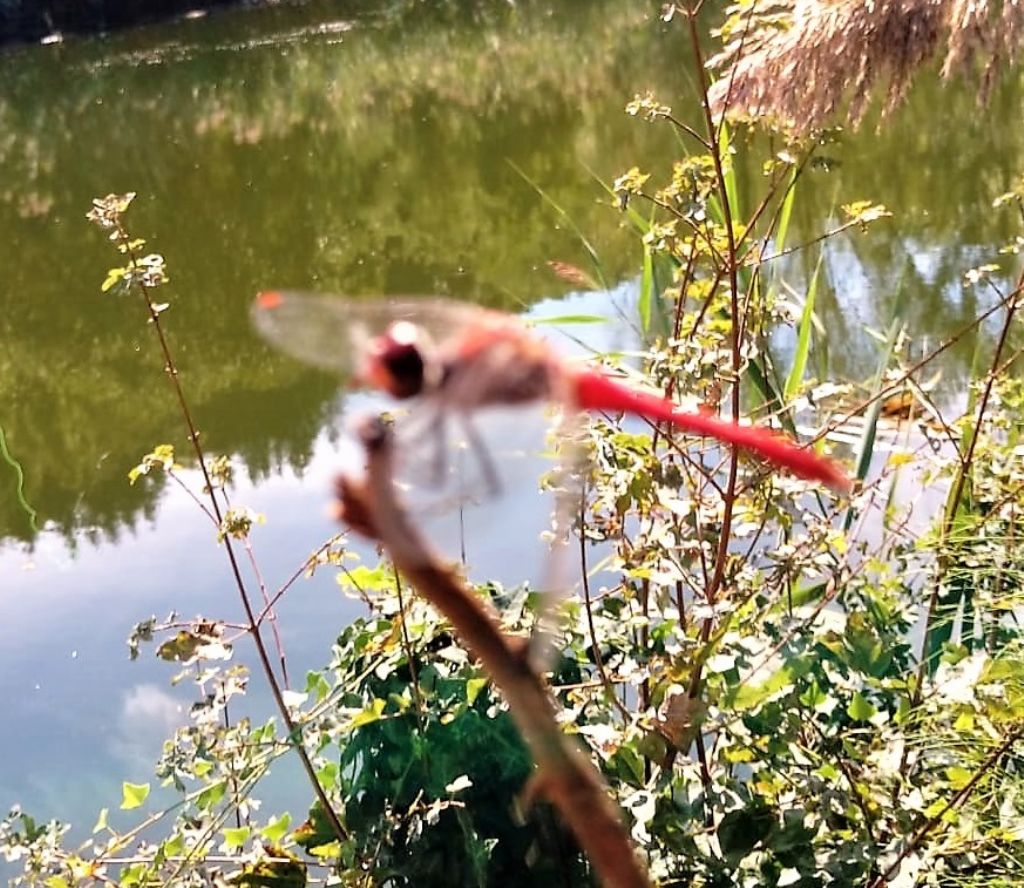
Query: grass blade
x=646, y=288
x=729, y=172
x=595, y=260
x=866, y=448
x=803, y=340
x=785, y=213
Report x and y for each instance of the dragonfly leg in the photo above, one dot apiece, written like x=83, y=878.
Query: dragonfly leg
x=438, y=431
x=483, y=456
x=424, y=439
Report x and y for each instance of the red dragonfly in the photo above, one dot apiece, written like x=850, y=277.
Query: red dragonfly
x=463, y=358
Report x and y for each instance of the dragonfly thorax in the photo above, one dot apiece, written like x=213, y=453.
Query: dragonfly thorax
x=396, y=363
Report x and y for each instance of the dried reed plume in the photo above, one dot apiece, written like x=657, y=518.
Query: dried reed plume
x=798, y=61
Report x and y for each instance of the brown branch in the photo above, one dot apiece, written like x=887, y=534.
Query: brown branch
x=564, y=776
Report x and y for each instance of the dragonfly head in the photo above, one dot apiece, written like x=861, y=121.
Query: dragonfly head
x=395, y=361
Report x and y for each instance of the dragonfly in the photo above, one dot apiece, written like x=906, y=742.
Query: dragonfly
x=461, y=358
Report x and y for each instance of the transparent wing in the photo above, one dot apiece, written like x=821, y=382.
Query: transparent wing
x=332, y=331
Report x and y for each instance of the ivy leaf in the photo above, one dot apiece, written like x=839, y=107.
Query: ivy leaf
x=368, y=716
x=133, y=795
x=315, y=832
x=958, y=777
x=275, y=830
x=211, y=795
x=114, y=277
x=279, y=869
x=473, y=688
x=236, y=837
x=860, y=708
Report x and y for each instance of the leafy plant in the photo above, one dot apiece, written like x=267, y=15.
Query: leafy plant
x=780, y=687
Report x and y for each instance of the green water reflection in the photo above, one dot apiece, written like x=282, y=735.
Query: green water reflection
x=287, y=147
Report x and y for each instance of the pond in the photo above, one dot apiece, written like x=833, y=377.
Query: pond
x=451, y=153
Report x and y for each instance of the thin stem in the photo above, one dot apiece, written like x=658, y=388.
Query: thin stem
x=814, y=240
x=294, y=732
x=957, y=492
x=588, y=607
x=895, y=384
x=407, y=645
x=236, y=796
x=689, y=130
x=267, y=607
x=730, y=490
x=287, y=584
x=883, y=879
x=192, y=495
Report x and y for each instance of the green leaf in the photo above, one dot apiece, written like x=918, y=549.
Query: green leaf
x=114, y=277
x=741, y=831
x=568, y=319
x=211, y=795
x=958, y=777
x=56, y=882
x=173, y=845
x=132, y=875
x=747, y=696
x=275, y=830
x=866, y=447
x=646, y=289
x=814, y=696
x=828, y=771
x=784, y=214
x=236, y=837
x=328, y=775
x=331, y=849
x=729, y=170
x=803, y=340
x=473, y=688
x=314, y=832
x=133, y=795
x=362, y=579
x=586, y=244
x=286, y=871
x=860, y=708
x=101, y=822
x=368, y=716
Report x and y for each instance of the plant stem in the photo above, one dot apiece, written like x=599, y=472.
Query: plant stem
x=588, y=606
x=957, y=490
x=882, y=880
x=254, y=628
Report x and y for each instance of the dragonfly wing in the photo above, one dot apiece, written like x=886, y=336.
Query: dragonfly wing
x=332, y=332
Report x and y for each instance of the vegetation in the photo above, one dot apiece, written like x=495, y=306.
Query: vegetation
x=780, y=686
x=800, y=62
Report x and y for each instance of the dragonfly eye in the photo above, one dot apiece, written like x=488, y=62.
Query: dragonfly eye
x=396, y=361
